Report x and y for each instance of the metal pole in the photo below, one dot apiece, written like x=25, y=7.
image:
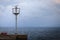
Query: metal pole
x=16, y=24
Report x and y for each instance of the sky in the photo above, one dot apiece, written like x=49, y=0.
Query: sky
x=33, y=13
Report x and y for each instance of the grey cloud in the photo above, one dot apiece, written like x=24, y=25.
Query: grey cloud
x=33, y=13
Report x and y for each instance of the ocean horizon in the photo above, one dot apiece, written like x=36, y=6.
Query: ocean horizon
x=35, y=33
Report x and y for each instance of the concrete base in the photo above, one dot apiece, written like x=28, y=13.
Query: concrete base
x=13, y=37
x=21, y=37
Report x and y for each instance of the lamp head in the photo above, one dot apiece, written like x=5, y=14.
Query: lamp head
x=16, y=10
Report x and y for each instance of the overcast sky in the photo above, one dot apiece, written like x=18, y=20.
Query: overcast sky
x=33, y=13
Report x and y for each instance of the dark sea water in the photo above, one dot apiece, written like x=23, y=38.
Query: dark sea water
x=36, y=33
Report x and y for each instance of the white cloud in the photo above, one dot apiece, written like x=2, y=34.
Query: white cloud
x=5, y=0
x=1, y=10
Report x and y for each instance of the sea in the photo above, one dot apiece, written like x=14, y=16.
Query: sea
x=35, y=33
